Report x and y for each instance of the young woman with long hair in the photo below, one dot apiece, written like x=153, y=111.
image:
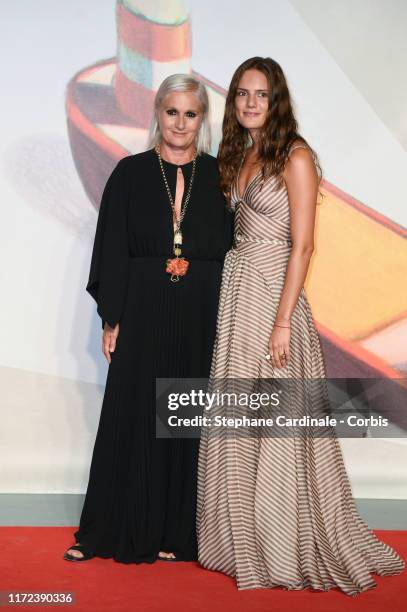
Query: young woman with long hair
x=275, y=510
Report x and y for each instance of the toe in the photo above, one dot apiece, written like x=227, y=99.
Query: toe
x=163, y=555
x=75, y=553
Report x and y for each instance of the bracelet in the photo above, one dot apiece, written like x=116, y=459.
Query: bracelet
x=283, y=326
x=283, y=321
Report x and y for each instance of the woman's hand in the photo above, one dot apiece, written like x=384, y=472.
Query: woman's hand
x=109, y=340
x=279, y=344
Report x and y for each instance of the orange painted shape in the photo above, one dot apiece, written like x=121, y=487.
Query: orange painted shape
x=357, y=279
x=160, y=43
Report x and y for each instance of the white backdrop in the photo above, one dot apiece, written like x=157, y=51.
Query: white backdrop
x=51, y=367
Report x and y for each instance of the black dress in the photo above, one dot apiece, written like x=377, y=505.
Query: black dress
x=141, y=495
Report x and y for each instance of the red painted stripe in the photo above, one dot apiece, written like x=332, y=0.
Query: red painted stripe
x=161, y=43
x=83, y=124
x=360, y=353
x=210, y=84
x=366, y=210
x=134, y=100
x=377, y=329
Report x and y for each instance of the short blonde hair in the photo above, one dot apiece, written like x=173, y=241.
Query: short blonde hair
x=182, y=83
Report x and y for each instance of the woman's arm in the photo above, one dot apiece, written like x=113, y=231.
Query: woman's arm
x=108, y=276
x=301, y=178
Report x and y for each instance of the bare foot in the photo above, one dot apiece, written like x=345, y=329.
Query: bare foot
x=166, y=555
x=75, y=553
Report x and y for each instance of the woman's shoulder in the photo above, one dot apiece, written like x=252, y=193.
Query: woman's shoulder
x=136, y=159
x=299, y=156
x=128, y=167
x=299, y=145
x=136, y=162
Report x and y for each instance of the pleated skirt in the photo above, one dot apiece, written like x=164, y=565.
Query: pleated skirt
x=141, y=493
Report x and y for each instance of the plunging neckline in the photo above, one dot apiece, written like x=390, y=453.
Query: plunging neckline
x=241, y=197
x=176, y=167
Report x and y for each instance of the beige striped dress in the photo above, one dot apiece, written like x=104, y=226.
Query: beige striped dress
x=276, y=511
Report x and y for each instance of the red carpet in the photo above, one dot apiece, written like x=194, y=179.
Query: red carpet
x=31, y=560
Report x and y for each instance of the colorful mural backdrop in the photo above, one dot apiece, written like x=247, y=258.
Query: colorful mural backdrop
x=91, y=71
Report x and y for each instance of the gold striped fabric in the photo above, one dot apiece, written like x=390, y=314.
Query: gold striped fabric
x=276, y=511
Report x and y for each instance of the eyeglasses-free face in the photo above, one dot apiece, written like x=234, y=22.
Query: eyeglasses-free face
x=252, y=99
x=179, y=119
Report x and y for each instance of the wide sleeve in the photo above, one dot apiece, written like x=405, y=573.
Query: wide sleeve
x=109, y=268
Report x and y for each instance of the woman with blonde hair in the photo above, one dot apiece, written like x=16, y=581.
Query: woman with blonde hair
x=162, y=233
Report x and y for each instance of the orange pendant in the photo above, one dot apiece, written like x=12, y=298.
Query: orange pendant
x=177, y=266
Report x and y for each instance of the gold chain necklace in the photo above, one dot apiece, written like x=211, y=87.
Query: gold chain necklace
x=177, y=266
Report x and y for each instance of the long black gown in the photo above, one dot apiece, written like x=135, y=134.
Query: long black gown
x=141, y=495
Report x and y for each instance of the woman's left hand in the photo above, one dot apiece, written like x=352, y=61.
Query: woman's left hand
x=279, y=344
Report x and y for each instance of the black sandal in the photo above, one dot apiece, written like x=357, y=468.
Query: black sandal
x=87, y=554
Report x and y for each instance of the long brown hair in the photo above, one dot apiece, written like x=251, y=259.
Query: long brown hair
x=279, y=132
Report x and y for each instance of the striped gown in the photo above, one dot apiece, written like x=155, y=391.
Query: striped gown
x=276, y=511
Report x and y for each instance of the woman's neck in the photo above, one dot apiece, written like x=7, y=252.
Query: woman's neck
x=175, y=155
x=255, y=137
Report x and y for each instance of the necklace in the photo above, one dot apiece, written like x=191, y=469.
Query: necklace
x=177, y=266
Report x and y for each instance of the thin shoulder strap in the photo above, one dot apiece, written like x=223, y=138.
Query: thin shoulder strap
x=297, y=146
